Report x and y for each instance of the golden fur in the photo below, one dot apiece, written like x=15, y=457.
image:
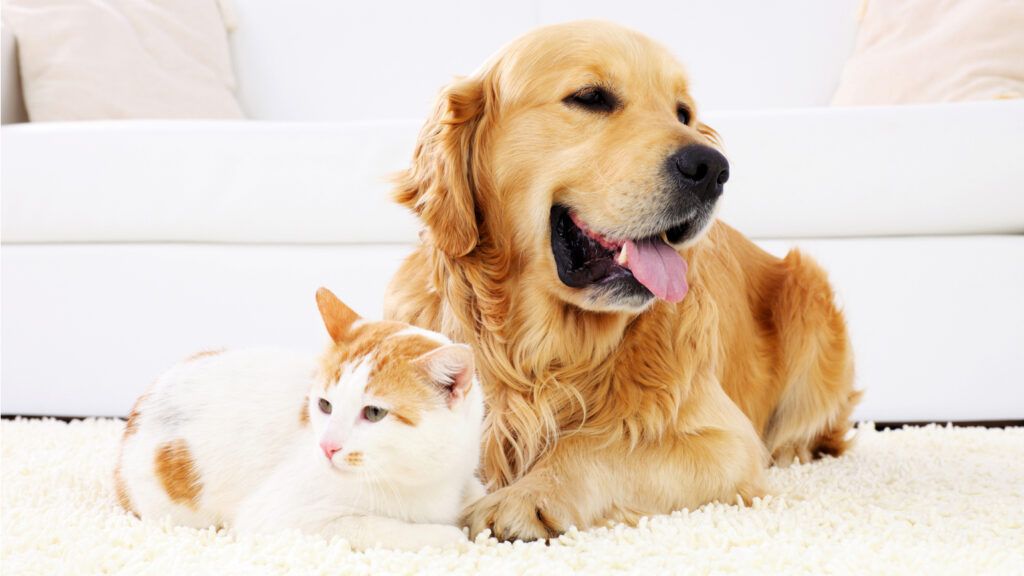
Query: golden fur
x=599, y=411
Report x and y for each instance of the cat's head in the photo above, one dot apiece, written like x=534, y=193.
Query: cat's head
x=392, y=401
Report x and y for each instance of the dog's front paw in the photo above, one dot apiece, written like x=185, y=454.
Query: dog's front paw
x=518, y=513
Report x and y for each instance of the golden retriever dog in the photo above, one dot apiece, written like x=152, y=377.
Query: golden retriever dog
x=638, y=357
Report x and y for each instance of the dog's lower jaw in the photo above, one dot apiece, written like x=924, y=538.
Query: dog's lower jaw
x=602, y=301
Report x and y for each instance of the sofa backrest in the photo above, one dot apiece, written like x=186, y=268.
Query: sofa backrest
x=326, y=60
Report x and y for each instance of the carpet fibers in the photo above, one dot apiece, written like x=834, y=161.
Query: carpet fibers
x=935, y=500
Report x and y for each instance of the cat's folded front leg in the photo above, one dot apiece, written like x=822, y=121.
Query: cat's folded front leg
x=473, y=491
x=364, y=532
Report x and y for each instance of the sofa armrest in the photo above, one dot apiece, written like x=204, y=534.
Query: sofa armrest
x=11, y=98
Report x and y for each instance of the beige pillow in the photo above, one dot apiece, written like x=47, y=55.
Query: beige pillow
x=914, y=51
x=104, y=59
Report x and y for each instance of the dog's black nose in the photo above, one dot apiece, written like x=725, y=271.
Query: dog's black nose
x=700, y=170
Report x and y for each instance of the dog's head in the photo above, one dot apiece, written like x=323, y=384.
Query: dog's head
x=578, y=150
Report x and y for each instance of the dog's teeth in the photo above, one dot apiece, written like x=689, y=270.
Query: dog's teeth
x=622, y=258
x=664, y=236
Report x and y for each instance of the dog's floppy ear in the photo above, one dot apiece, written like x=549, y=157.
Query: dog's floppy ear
x=439, y=184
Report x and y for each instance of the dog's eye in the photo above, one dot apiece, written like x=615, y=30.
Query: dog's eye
x=593, y=98
x=683, y=113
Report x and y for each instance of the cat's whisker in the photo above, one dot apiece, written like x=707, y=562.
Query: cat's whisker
x=367, y=492
x=373, y=480
x=371, y=487
x=397, y=497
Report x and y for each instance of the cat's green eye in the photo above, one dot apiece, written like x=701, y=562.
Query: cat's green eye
x=325, y=406
x=374, y=413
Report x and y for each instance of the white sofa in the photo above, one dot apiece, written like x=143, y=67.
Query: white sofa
x=128, y=245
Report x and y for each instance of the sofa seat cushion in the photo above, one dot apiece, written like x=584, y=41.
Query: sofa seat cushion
x=948, y=352
x=822, y=172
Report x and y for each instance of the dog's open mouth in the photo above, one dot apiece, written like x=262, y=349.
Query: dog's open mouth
x=585, y=257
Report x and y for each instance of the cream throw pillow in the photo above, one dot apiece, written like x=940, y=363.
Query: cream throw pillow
x=914, y=51
x=104, y=59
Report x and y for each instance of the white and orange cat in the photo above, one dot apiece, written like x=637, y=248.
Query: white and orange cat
x=377, y=443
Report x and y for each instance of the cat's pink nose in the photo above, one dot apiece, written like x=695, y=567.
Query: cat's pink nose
x=329, y=448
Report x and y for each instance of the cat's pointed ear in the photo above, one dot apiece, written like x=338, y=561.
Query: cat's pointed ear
x=338, y=318
x=450, y=367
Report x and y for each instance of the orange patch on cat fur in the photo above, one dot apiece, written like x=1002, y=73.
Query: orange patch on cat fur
x=390, y=346
x=304, y=413
x=203, y=354
x=392, y=375
x=354, y=458
x=360, y=342
x=404, y=420
x=130, y=427
x=133, y=418
x=122, y=491
x=175, y=468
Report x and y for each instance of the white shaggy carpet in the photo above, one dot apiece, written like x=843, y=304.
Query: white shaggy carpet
x=916, y=501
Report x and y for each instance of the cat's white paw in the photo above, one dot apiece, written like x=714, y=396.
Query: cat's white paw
x=474, y=491
x=434, y=535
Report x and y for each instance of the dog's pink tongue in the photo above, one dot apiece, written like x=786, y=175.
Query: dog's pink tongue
x=658, y=267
